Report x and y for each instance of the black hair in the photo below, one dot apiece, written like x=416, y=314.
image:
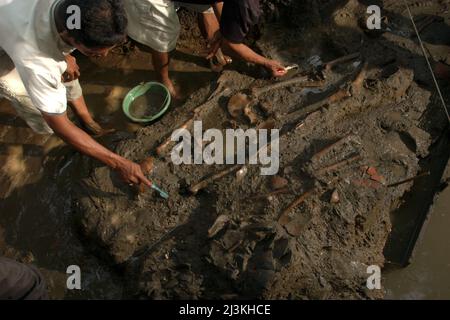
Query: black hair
x=103, y=22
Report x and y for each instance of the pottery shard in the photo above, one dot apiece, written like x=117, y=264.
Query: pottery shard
x=373, y=173
x=278, y=183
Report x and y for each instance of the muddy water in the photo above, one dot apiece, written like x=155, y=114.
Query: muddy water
x=419, y=237
x=428, y=277
x=149, y=104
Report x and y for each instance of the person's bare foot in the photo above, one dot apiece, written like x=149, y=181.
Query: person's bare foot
x=96, y=129
x=174, y=90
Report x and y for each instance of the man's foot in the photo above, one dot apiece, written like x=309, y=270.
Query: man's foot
x=96, y=130
x=219, y=61
x=174, y=90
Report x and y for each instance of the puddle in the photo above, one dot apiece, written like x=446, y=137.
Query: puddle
x=428, y=277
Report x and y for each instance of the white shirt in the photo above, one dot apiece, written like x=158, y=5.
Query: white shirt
x=28, y=35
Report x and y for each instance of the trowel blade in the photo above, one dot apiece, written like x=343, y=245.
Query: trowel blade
x=161, y=192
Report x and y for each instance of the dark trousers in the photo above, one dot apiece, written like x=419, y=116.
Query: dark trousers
x=21, y=282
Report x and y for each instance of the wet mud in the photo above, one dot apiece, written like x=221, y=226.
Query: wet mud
x=355, y=148
x=311, y=231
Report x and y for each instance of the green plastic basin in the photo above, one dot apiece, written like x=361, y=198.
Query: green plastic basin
x=151, y=89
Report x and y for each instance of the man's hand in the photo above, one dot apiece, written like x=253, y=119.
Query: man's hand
x=247, y=54
x=132, y=173
x=97, y=130
x=73, y=70
x=129, y=171
x=275, y=68
x=214, y=45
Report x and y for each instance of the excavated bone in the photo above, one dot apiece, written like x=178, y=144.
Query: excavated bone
x=284, y=217
x=161, y=150
x=335, y=198
x=330, y=65
x=203, y=184
x=251, y=116
x=339, y=165
x=221, y=222
x=240, y=175
x=237, y=104
x=304, y=81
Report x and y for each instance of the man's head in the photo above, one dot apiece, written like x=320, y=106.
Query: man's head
x=101, y=24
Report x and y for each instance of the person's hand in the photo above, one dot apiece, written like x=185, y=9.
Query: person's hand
x=96, y=129
x=132, y=174
x=214, y=45
x=73, y=70
x=275, y=68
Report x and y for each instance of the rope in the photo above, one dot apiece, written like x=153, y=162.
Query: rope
x=428, y=61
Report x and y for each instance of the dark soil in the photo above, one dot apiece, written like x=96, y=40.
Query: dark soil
x=377, y=135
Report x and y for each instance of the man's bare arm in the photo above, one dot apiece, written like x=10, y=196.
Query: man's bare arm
x=218, y=7
x=247, y=54
x=81, y=141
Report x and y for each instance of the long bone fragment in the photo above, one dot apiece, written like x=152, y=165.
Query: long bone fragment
x=161, y=150
x=319, y=155
x=304, y=81
x=284, y=217
x=221, y=91
x=206, y=182
x=339, y=165
x=356, y=82
x=330, y=65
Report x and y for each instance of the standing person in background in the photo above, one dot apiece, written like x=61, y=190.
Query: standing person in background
x=155, y=24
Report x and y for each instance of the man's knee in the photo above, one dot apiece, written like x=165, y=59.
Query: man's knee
x=21, y=282
x=13, y=89
x=11, y=85
x=33, y=117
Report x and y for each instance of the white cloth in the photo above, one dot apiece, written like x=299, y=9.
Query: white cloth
x=13, y=89
x=28, y=35
x=155, y=23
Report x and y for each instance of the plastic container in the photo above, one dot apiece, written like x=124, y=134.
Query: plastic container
x=147, y=102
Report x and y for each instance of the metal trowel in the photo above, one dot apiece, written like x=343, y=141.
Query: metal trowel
x=147, y=167
x=161, y=192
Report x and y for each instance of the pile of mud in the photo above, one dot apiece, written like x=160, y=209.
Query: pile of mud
x=310, y=232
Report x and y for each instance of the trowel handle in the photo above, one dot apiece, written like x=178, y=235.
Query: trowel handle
x=258, y=91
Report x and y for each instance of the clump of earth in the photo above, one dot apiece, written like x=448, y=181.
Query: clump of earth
x=312, y=230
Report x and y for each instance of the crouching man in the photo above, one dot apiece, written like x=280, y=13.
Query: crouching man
x=39, y=76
